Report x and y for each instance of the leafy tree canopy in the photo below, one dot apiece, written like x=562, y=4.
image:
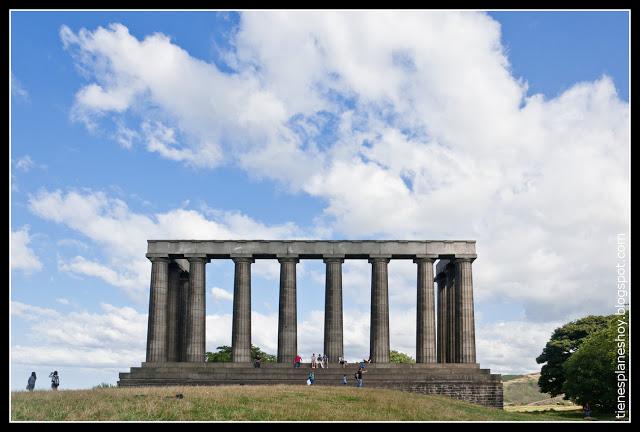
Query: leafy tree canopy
x=398, y=357
x=564, y=342
x=591, y=372
x=224, y=355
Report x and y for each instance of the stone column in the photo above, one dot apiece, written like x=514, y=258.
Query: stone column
x=333, y=345
x=379, y=338
x=173, y=309
x=157, y=327
x=467, y=333
x=196, y=318
x=287, y=317
x=425, y=323
x=451, y=313
x=442, y=311
x=241, y=326
x=182, y=315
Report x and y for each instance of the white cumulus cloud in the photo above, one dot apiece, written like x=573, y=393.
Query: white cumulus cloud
x=220, y=294
x=22, y=256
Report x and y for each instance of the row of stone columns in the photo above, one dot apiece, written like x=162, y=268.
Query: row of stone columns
x=177, y=320
x=456, y=325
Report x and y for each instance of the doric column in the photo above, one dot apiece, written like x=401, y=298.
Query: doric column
x=173, y=309
x=426, y=322
x=287, y=317
x=196, y=318
x=441, y=280
x=333, y=345
x=467, y=332
x=241, y=326
x=157, y=327
x=451, y=313
x=379, y=339
x=182, y=315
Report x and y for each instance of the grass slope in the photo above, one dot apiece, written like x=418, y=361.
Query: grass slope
x=280, y=402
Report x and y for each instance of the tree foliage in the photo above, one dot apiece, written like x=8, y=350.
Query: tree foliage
x=591, y=371
x=398, y=357
x=564, y=342
x=224, y=355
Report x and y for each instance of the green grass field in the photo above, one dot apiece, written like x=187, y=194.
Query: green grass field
x=257, y=403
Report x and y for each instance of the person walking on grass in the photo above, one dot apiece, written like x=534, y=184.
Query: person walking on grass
x=55, y=380
x=31, y=383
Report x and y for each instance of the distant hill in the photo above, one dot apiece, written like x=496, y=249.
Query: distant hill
x=524, y=390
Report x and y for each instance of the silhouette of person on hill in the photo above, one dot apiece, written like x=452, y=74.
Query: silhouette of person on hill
x=31, y=383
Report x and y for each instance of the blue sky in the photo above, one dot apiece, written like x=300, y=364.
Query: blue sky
x=510, y=128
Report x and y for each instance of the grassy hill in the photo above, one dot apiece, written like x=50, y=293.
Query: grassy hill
x=258, y=403
x=524, y=390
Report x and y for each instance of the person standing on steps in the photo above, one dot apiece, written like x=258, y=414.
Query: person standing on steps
x=359, y=377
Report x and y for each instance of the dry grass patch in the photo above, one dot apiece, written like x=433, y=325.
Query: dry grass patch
x=256, y=403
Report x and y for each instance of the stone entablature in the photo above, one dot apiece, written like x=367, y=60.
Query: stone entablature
x=312, y=249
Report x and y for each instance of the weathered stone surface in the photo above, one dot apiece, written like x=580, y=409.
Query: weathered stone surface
x=379, y=339
x=182, y=317
x=157, y=325
x=196, y=312
x=311, y=249
x=173, y=310
x=460, y=381
x=288, y=314
x=467, y=344
x=425, y=322
x=441, y=280
x=241, y=325
x=333, y=330
x=451, y=313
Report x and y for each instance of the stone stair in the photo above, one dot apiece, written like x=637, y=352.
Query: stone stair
x=461, y=381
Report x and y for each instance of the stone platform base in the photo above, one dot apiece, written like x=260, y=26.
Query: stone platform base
x=460, y=381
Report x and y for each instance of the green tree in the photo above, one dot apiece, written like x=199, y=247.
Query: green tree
x=398, y=357
x=591, y=372
x=224, y=355
x=564, y=342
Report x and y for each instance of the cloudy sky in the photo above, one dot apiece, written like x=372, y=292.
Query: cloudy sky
x=510, y=128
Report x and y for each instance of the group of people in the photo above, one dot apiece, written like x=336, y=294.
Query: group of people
x=55, y=381
x=322, y=360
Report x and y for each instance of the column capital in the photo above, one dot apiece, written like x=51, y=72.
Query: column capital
x=467, y=257
x=238, y=258
x=425, y=258
x=195, y=257
x=157, y=257
x=332, y=258
x=379, y=258
x=282, y=258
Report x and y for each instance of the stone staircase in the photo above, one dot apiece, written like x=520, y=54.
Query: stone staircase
x=458, y=380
